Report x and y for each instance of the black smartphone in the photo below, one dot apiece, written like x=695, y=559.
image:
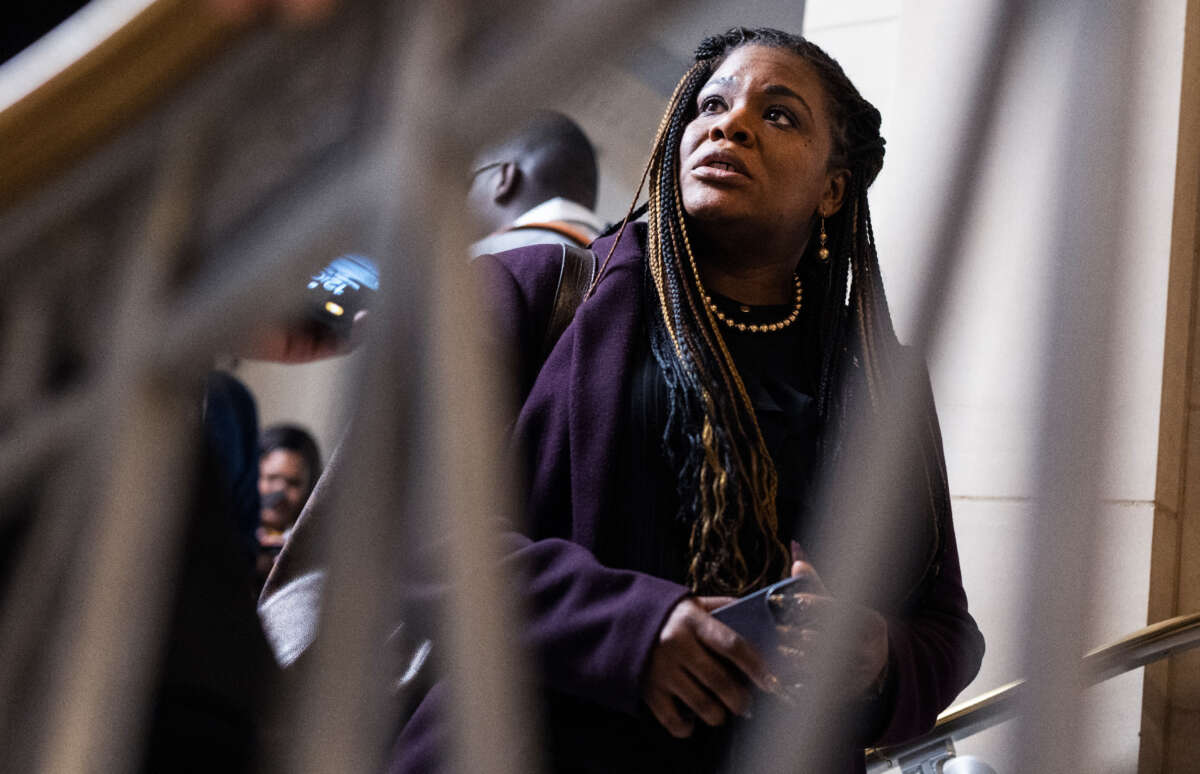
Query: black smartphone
x=756, y=615
x=339, y=291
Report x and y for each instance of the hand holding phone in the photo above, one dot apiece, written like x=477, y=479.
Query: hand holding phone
x=757, y=615
x=335, y=301
x=789, y=623
x=337, y=293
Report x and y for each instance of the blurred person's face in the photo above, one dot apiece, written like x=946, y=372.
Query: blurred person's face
x=282, y=471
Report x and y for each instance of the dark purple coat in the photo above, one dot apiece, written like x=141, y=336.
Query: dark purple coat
x=592, y=625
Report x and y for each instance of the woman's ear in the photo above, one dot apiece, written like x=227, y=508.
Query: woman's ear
x=836, y=182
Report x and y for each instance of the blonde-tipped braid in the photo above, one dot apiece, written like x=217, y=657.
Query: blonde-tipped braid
x=708, y=559
x=736, y=479
x=762, y=478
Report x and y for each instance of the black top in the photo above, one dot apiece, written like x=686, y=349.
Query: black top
x=780, y=371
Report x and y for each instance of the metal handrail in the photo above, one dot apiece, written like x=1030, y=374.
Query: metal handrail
x=960, y=721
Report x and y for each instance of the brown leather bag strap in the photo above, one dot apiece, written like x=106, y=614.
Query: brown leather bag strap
x=560, y=227
x=574, y=279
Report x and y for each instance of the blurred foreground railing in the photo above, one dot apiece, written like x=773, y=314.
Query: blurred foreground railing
x=167, y=175
x=921, y=756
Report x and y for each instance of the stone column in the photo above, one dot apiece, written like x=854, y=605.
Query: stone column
x=1171, y=695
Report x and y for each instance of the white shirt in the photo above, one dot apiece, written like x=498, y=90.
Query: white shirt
x=556, y=209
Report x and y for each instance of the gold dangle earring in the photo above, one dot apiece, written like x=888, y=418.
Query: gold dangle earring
x=822, y=251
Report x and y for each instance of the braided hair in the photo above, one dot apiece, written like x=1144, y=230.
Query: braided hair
x=727, y=482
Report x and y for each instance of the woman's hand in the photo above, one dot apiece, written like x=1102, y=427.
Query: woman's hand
x=810, y=617
x=701, y=664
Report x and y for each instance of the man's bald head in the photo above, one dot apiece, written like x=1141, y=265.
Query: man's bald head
x=549, y=156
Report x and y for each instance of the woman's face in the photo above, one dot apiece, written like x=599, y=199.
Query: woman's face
x=757, y=153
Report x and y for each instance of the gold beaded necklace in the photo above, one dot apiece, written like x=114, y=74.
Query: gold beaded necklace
x=758, y=327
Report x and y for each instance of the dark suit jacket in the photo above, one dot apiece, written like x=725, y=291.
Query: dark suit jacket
x=591, y=623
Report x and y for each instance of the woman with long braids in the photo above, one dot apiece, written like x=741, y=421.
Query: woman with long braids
x=677, y=432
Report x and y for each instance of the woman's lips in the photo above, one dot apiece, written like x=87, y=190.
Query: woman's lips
x=719, y=166
x=716, y=173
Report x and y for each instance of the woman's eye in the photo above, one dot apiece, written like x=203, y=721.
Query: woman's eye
x=710, y=104
x=779, y=115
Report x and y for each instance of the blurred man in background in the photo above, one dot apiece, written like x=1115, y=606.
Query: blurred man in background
x=536, y=186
